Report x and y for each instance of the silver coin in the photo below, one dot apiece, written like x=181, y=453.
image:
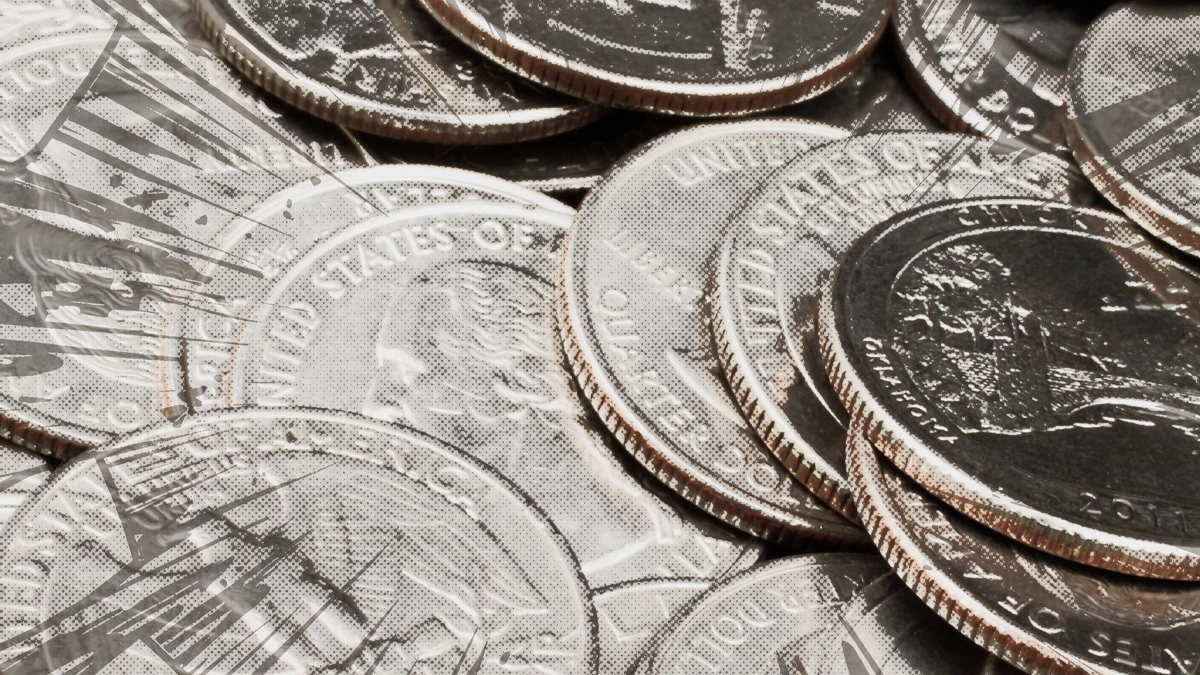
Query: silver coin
x=634, y=320
x=995, y=67
x=783, y=245
x=630, y=615
x=259, y=540
x=1041, y=613
x=21, y=474
x=126, y=148
x=828, y=614
x=384, y=68
x=1032, y=364
x=440, y=317
x=1131, y=115
x=692, y=57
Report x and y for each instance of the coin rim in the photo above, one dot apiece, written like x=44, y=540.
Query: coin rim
x=965, y=493
x=920, y=572
x=362, y=114
x=604, y=86
x=736, y=510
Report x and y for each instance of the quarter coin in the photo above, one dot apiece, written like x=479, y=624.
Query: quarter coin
x=1131, y=111
x=1050, y=401
x=691, y=57
x=126, y=148
x=634, y=321
x=783, y=245
x=995, y=67
x=1041, y=613
x=630, y=615
x=21, y=474
x=259, y=540
x=441, y=317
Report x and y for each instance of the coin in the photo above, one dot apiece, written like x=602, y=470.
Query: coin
x=127, y=147
x=630, y=615
x=384, y=68
x=995, y=67
x=567, y=162
x=690, y=57
x=873, y=98
x=1051, y=400
x=784, y=243
x=1130, y=113
x=257, y=540
x=1041, y=613
x=634, y=321
x=21, y=474
x=441, y=317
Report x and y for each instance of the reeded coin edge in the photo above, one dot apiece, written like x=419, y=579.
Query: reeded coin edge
x=32, y=434
x=1017, y=521
x=306, y=94
x=770, y=423
x=988, y=629
x=600, y=86
x=1174, y=228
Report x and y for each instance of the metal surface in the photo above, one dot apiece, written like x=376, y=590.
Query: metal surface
x=634, y=320
x=692, y=57
x=256, y=541
x=995, y=67
x=783, y=245
x=827, y=614
x=385, y=68
x=1131, y=115
x=1052, y=399
x=118, y=165
x=22, y=473
x=441, y=317
x=632, y=614
x=1042, y=613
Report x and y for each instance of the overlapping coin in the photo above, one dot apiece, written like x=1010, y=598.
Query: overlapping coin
x=384, y=68
x=785, y=242
x=1054, y=403
x=692, y=57
x=259, y=540
x=634, y=321
x=1132, y=111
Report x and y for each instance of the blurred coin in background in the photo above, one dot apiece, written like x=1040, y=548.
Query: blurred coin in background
x=1132, y=115
x=691, y=57
x=1053, y=399
x=384, y=68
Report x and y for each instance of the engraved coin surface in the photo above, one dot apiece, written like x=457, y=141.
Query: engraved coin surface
x=1131, y=115
x=386, y=68
x=1042, y=613
x=785, y=242
x=441, y=317
x=692, y=57
x=995, y=67
x=827, y=614
x=263, y=541
x=21, y=474
x=630, y=615
x=1055, y=402
x=634, y=320
x=125, y=148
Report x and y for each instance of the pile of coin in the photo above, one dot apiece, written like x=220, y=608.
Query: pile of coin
x=457, y=336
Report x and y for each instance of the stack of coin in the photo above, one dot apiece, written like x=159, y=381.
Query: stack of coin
x=431, y=336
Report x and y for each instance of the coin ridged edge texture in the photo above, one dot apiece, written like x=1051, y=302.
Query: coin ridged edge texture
x=257, y=68
x=596, y=85
x=670, y=473
x=827, y=488
x=1051, y=534
x=989, y=630
x=30, y=436
x=1162, y=223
